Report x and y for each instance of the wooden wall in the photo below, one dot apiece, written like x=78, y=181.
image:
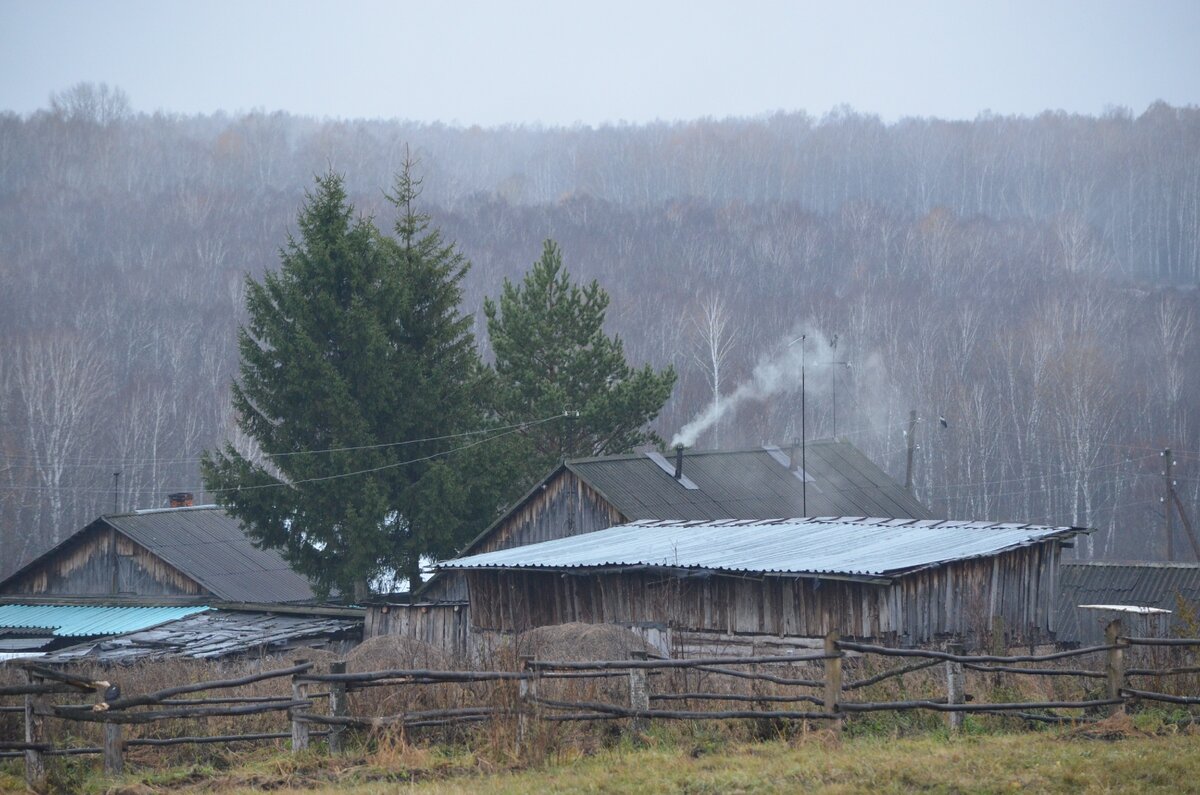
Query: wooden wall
x=565, y=507
x=960, y=599
x=102, y=562
x=444, y=625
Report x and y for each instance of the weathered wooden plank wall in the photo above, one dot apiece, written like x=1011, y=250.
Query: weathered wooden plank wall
x=445, y=626
x=565, y=507
x=101, y=562
x=957, y=599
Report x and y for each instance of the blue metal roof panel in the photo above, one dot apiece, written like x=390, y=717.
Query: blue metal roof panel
x=856, y=546
x=89, y=620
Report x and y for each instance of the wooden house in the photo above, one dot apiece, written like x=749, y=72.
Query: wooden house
x=728, y=586
x=197, y=552
x=585, y=495
x=826, y=478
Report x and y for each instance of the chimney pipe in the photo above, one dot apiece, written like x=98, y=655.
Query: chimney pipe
x=180, y=499
x=678, y=461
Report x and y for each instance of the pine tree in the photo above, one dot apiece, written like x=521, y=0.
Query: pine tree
x=552, y=356
x=354, y=352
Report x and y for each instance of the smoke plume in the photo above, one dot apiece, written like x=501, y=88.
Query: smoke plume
x=775, y=373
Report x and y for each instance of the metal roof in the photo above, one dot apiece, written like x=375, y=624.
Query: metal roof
x=215, y=634
x=208, y=545
x=858, y=547
x=751, y=484
x=89, y=620
x=1140, y=584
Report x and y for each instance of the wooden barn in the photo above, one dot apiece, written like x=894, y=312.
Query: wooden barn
x=173, y=552
x=585, y=495
x=727, y=586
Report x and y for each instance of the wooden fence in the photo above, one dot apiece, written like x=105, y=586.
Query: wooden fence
x=820, y=698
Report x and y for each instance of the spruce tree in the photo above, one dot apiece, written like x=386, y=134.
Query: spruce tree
x=552, y=356
x=357, y=372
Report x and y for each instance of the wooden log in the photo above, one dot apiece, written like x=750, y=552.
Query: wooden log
x=954, y=689
x=639, y=695
x=1191, y=669
x=338, y=707
x=1114, y=666
x=887, y=651
x=299, y=727
x=833, y=677
x=43, y=689
x=765, y=677
x=79, y=683
x=939, y=706
x=885, y=675
x=1150, y=695
x=1162, y=641
x=35, y=703
x=1013, y=669
x=625, y=712
x=527, y=693
x=89, y=716
x=221, y=684
x=737, y=697
x=692, y=663
x=404, y=718
x=114, y=748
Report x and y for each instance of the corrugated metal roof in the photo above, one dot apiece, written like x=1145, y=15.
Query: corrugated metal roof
x=830, y=546
x=217, y=633
x=751, y=484
x=89, y=620
x=1143, y=584
x=208, y=545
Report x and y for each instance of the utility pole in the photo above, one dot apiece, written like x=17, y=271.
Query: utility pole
x=912, y=446
x=1166, y=454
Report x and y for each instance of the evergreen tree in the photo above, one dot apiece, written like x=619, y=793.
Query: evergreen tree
x=357, y=373
x=552, y=356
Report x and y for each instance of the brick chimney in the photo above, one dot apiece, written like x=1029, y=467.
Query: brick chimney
x=180, y=499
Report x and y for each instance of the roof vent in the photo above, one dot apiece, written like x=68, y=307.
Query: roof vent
x=670, y=469
x=786, y=463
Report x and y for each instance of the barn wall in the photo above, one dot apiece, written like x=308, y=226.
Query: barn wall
x=445, y=626
x=101, y=562
x=565, y=507
x=957, y=599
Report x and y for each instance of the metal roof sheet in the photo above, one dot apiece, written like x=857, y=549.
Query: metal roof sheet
x=89, y=620
x=1140, y=584
x=751, y=484
x=830, y=546
x=208, y=545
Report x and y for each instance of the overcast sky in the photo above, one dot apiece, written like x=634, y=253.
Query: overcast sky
x=567, y=61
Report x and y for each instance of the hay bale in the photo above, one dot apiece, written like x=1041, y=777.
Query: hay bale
x=577, y=642
x=394, y=652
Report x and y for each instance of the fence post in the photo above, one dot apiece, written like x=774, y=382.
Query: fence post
x=114, y=743
x=954, y=687
x=35, y=765
x=639, y=694
x=527, y=691
x=833, y=677
x=299, y=727
x=337, y=707
x=1115, y=664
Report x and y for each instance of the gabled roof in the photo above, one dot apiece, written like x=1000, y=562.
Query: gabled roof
x=207, y=545
x=751, y=484
x=875, y=549
x=760, y=483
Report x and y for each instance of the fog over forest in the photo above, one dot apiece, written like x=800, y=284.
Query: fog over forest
x=1031, y=280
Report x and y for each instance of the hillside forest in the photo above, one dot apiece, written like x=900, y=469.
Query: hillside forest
x=1026, y=285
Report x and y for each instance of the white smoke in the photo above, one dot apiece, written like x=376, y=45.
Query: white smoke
x=776, y=373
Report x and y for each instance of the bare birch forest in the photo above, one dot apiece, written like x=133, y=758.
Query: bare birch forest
x=1030, y=281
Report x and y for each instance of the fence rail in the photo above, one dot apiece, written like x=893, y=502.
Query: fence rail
x=529, y=703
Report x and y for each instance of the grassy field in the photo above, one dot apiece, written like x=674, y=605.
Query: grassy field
x=1031, y=761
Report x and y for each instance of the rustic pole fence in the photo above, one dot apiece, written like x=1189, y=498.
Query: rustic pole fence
x=823, y=673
